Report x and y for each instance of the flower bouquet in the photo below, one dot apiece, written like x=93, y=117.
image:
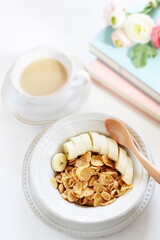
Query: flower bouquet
x=135, y=30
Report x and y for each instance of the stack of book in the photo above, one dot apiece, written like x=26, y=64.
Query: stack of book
x=113, y=69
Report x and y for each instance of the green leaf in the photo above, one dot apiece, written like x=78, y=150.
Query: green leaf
x=140, y=53
x=149, y=8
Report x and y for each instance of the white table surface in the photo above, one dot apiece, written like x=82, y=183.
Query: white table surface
x=68, y=25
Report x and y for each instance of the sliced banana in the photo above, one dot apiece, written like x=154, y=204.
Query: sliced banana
x=121, y=164
x=104, y=145
x=70, y=150
x=127, y=177
x=113, y=149
x=87, y=141
x=79, y=144
x=59, y=162
x=96, y=142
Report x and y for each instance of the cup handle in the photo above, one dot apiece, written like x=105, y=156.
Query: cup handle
x=80, y=78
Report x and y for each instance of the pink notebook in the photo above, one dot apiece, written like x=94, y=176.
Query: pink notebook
x=122, y=88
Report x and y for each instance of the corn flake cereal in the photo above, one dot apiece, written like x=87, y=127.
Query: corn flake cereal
x=90, y=180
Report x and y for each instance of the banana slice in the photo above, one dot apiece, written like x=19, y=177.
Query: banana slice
x=87, y=141
x=127, y=177
x=59, y=162
x=96, y=141
x=121, y=164
x=113, y=149
x=104, y=145
x=70, y=150
x=79, y=144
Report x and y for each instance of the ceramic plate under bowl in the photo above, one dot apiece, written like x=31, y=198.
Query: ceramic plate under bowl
x=68, y=214
x=50, y=219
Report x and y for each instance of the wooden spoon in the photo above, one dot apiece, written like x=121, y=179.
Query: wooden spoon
x=119, y=133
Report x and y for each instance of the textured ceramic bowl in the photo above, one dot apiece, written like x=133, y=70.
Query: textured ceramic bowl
x=49, y=199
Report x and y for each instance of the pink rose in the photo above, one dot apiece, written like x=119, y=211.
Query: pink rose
x=120, y=39
x=155, y=35
x=110, y=8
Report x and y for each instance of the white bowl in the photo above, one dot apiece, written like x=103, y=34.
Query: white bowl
x=49, y=199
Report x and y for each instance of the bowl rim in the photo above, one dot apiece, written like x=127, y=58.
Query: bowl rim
x=53, y=129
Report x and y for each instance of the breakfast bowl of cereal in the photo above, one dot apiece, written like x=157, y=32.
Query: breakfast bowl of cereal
x=82, y=181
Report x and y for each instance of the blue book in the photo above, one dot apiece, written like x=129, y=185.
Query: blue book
x=147, y=78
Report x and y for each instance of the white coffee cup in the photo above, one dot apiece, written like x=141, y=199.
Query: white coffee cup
x=74, y=80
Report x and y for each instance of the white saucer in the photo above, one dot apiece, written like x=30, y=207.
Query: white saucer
x=17, y=107
x=42, y=212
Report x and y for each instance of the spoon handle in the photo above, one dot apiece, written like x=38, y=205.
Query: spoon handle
x=150, y=168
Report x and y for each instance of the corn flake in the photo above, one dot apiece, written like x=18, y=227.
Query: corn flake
x=98, y=187
x=108, y=202
x=77, y=188
x=71, y=182
x=107, y=161
x=84, y=185
x=90, y=203
x=59, y=178
x=92, y=180
x=106, y=196
x=70, y=163
x=115, y=184
x=97, y=199
x=84, y=173
x=54, y=182
x=74, y=175
x=126, y=187
x=84, y=160
x=61, y=188
x=83, y=201
x=96, y=161
x=71, y=196
x=88, y=192
x=114, y=193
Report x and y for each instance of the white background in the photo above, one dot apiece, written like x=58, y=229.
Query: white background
x=69, y=25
